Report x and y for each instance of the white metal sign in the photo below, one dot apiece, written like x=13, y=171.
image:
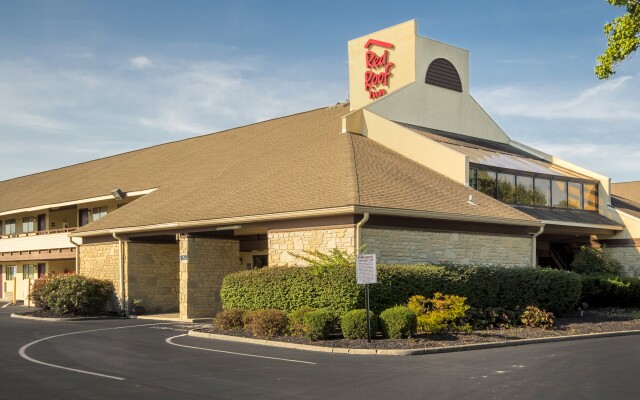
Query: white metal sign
x=366, y=269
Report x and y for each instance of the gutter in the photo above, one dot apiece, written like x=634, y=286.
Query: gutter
x=363, y=221
x=77, y=246
x=534, y=238
x=122, y=293
x=313, y=213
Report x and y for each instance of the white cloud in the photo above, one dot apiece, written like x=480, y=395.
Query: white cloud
x=140, y=62
x=610, y=100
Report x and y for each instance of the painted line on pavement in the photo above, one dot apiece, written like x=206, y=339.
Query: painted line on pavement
x=23, y=350
x=170, y=341
x=6, y=305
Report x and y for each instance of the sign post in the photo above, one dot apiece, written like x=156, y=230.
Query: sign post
x=366, y=274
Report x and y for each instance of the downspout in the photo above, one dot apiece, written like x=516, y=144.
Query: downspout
x=77, y=246
x=122, y=294
x=534, y=256
x=364, y=220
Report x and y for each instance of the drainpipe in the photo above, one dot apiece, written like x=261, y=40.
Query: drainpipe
x=534, y=256
x=121, y=253
x=365, y=218
x=77, y=246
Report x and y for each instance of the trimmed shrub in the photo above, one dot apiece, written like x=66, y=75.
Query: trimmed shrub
x=230, y=319
x=318, y=324
x=289, y=288
x=398, y=322
x=442, y=313
x=72, y=294
x=354, y=324
x=607, y=291
x=491, y=318
x=266, y=323
x=593, y=260
x=296, y=319
x=537, y=318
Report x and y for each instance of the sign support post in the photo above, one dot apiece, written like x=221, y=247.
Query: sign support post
x=366, y=274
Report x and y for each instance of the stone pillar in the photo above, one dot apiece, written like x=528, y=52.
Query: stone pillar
x=204, y=262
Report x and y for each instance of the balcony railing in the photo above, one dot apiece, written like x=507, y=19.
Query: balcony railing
x=43, y=240
x=37, y=233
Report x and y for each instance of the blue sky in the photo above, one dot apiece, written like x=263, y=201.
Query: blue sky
x=81, y=80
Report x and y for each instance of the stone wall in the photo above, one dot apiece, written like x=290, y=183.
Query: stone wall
x=396, y=246
x=152, y=275
x=281, y=243
x=629, y=257
x=203, y=265
x=101, y=261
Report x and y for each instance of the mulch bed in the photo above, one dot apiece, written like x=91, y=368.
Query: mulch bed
x=592, y=321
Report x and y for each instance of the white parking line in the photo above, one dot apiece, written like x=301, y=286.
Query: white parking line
x=170, y=341
x=23, y=350
x=6, y=305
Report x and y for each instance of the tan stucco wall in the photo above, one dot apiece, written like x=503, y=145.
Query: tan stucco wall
x=417, y=247
x=152, y=275
x=283, y=243
x=207, y=262
x=629, y=257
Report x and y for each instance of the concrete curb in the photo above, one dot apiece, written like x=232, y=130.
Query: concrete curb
x=410, y=352
x=14, y=315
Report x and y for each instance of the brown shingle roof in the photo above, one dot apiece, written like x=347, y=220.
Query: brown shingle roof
x=295, y=163
x=627, y=190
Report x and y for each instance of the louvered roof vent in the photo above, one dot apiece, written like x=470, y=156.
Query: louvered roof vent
x=442, y=73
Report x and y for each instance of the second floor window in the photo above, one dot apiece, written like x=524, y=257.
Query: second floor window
x=98, y=212
x=10, y=227
x=28, y=224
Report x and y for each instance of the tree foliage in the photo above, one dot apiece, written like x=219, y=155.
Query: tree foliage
x=623, y=38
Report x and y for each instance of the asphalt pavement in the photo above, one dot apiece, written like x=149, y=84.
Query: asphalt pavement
x=136, y=359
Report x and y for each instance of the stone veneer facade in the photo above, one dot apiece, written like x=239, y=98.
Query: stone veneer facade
x=400, y=246
x=152, y=275
x=204, y=264
x=101, y=261
x=628, y=257
x=284, y=242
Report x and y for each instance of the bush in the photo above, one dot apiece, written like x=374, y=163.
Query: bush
x=318, y=324
x=230, y=319
x=266, y=323
x=354, y=324
x=607, y=291
x=296, y=320
x=71, y=293
x=592, y=260
x=442, y=313
x=536, y=318
x=289, y=288
x=398, y=322
x=491, y=318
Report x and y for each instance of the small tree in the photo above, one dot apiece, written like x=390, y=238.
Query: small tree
x=592, y=260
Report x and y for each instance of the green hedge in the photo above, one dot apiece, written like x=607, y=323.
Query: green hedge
x=71, y=293
x=293, y=287
x=607, y=291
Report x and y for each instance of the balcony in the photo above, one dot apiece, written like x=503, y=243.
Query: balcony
x=44, y=245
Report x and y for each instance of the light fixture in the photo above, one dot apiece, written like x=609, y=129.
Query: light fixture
x=118, y=194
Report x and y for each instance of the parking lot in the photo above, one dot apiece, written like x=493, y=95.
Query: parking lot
x=129, y=359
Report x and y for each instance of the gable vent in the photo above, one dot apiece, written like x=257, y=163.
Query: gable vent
x=442, y=73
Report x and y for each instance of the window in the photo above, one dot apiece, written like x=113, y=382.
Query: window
x=524, y=190
x=28, y=224
x=559, y=193
x=28, y=272
x=473, y=180
x=542, y=195
x=575, y=195
x=590, y=195
x=506, y=187
x=98, y=212
x=8, y=272
x=10, y=227
x=486, y=181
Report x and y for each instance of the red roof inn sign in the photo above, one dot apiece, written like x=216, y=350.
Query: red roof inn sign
x=378, y=69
